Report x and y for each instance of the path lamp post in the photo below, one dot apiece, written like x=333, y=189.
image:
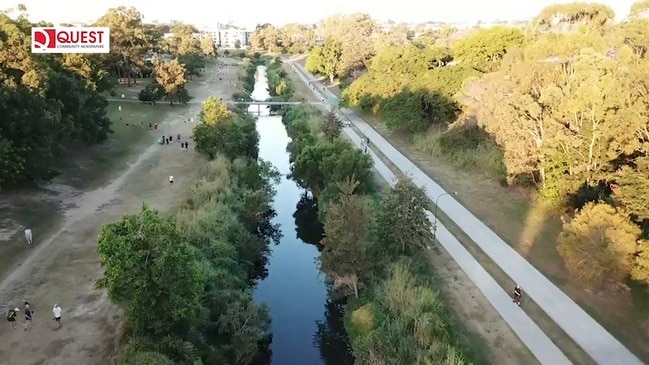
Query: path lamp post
x=435, y=214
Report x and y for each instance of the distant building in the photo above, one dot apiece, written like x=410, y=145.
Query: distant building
x=227, y=37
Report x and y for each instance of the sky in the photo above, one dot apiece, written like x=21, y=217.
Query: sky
x=279, y=12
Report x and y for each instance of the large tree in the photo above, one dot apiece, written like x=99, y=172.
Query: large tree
x=326, y=60
x=171, y=77
x=485, y=48
x=128, y=40
x=151, y=271
x=401, y=225
x=344, y=258
x=599, y=244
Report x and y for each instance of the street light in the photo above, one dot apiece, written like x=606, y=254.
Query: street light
x=435, y=214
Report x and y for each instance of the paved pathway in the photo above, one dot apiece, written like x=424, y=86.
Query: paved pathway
x=584, y=330
x=530, y=334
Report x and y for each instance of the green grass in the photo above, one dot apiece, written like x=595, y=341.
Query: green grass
x=89, y=166
x=465, y=147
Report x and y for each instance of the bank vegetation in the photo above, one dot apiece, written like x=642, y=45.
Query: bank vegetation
x=185, y=280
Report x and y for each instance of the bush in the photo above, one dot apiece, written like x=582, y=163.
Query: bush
x=198, y=307
x=599, y=244
x=147, y=358
x=466, y=146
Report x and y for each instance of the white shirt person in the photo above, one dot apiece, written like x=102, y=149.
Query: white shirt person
x=57, y=314
x=28, y=236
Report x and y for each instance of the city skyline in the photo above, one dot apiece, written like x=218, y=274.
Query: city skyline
x=281, y=12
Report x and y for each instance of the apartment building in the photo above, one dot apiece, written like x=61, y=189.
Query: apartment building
x=228, y=37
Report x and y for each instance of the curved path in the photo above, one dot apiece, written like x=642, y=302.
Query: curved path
x=583, y=329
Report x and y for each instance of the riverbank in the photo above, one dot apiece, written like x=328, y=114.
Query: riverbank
x=379, y=327
x=205, y=257
x=62, y=266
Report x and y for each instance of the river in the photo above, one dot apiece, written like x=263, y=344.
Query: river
x=307, y=327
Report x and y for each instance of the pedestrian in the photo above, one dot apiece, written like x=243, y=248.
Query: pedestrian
x=28, y=236
x=178, y=137
x=155, y=127
x=11, y=318
x=28, y=317
x=150, y=126
x=186, y=145
x=171, y=138
x=167, y=140
x=171, y=179
x=57, y=315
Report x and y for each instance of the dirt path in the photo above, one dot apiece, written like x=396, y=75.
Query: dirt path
x=63, y=267
x=463, y=297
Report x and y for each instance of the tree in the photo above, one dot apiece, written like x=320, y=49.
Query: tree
x=297, y=38
x=193, y=62
x=331, y=126
x=237, y=44
x=233, y=138
x=128, y=39
x=248, y=324
x=208, y=47
x=343, y=258
x=151, y=272
x=401, y=225
x=151, y=93
x=562, y=17
x=320, y=164
x=354, y=33
x=485, y=48
x=214, y=111
x=47, y=104
x=183, y=40
x=639, y=9
x=171, y=77
x=265, y=37
x=326, y=60
x=147, y=358
x=599, y=244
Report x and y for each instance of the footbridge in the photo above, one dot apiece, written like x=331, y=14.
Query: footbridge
x=261, y=103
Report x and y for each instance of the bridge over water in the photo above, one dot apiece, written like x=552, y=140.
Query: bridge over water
x=261, y=103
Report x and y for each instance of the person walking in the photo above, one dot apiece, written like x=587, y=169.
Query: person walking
x=28, y=317
x=171, y=179
x=28, y=236
x=155, y=126
x=57, y=315
x=11, y=317
x=518, y=295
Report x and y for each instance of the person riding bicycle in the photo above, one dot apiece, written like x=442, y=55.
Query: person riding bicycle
x=518, y=294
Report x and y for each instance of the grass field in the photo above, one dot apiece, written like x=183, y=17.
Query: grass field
x=90, y=166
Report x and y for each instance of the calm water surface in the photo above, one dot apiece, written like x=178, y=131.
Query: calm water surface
x=307, y=327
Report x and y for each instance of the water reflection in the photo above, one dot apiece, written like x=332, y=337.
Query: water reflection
x=293, y=287
x=307, y=224
x=331, y=337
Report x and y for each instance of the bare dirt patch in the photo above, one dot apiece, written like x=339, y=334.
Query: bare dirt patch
x=482, y=325
x=62, y=266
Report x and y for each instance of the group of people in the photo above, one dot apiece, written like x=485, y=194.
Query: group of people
x=28, y=313
x=168, y=139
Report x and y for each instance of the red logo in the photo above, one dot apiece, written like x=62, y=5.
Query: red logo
x=44, y=38
x=71, y=40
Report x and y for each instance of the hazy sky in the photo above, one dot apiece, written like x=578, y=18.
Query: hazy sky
x=251, y=12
